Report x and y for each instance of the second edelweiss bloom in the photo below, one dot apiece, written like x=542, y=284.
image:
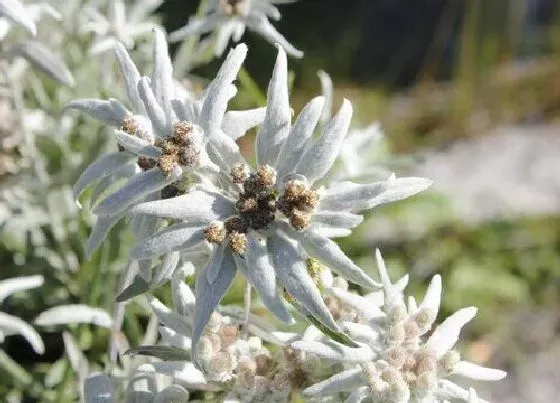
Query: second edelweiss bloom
x=266, y=222
x=397, y=362
x=229, y=19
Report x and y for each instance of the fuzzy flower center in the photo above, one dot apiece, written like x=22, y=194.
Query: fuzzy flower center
x=257, y=203
x=235, y=7
x=131, y=125
x=179, y=149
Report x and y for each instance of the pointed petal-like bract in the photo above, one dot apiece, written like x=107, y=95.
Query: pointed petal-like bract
x=153, y=109
x=446, y=334
x=260, y=274
x=301, y=132
x=432, y=299
x=292, y=273
x=168, y=266
x=392, y=294
x=219, y=91
x=236, y=123
x=478, y=373
x=353, y=197
x=14, y=11
x=208, y=296
x=174, y=238
x=335, y=351
x=109, y=112
x=328, y=252
x=137, y=145
x=262, y=26
x=320, y=157
x=343, y=381
x=183, y=372
x=135, y=189
x=12, y=325
x=131, y=77
x=71, y=314
x=12, y=285
x=42, y=57
x=100, y=168
x=98, y=389
x=99, y=232
x=366, y=309
x=327, y=91
x=162, y=76
x=169, y=318
x=276, y=124
x=195, y=207
x=359, y=395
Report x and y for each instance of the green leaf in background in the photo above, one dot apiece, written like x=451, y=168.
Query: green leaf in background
x=137, y=287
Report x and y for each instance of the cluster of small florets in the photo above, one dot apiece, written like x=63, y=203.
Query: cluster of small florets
x=256, y=206
x=134, y=126
x=180, y=148
x=297, y=203
x=340, y=311
x=407, y=368
x=234, y=7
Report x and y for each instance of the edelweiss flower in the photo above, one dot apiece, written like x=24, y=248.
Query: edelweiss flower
x=9, y=324
x=236, y=365
x=255, y=219
x=161, y=139
x=120, y=26
x=230, y=18
x=394, y=363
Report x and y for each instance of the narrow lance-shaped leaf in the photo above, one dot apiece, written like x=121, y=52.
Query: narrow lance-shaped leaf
x=44, y=59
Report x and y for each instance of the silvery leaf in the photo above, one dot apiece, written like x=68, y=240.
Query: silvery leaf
x=137, y=287
x=113, y=181
x=174, y=238
x=328, y=252
x=165, y=353
x=183, y=372
x=14, y=11
x=259, y=23
x=12, y=285
x=236, y=123
x=174, y=338
x=98, y=389
x=153, y=109
x=292, y=274
x=73, y=314
x=319, y=158
x=170, y=318
x=99, y=232
x=335, y=220
x=170, y=262
x=199, y=207
x=343, y=381
x=44, y=59
x=219, y=91
x=353, y=197
x=162, y=76
x=208, y=296
x=135, y=189
x=359, y=395
x=109, y=112
x=12, y=325
x=301, y=133
x=446, y=334
x=224, y=151
x=131, y=77
x=101, y=167
x=259, y=272
x=137, y=145
x=477, y=372
x=336, y=351
x=276, y=124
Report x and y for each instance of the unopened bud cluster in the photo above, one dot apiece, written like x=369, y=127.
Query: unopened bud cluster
x=137, y=126
x=297, y=203
x=407, y=368
x=181, y=148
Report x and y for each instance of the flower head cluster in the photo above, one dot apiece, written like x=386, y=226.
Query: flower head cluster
x=228, y=19
x=266, y=222
x=395, y=361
